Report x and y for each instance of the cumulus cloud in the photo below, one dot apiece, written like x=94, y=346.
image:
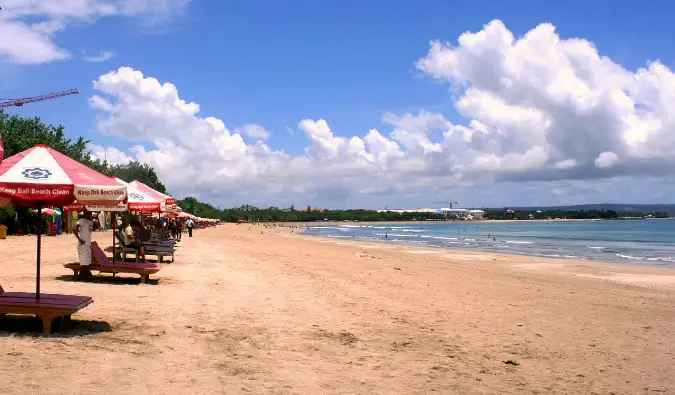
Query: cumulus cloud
x=28, y=27
x=101, y=57
x=255, y=131
x=110, y=154
x=553, y=108
x=538, y=108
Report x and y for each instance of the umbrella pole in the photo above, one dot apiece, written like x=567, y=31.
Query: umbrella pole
x=113, y=226
x=39, y=245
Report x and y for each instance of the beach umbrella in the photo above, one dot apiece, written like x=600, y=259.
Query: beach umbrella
x=41, y=176
x=48, y=211
x=139, y=200
x=164, y=198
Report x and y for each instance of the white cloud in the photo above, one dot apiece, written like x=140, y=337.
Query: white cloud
x=110, y=154
x=558, y=103
x=101, y=57
x=539, y=108
x=606, y=160
x=255, y=131
x=29, y=27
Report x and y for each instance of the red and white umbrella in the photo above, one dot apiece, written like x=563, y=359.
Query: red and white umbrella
x=164, y=198
x=40, y=177
x=140, y=200
x=137, y=201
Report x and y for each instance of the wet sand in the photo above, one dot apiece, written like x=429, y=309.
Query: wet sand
x=279, y=312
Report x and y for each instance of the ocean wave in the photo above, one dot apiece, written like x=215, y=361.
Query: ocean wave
x=639, y=258
x=518, y=242
x=596, y=248
x=439, y=237
x=393, y=235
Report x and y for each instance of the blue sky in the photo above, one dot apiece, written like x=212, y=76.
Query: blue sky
x=274, y=64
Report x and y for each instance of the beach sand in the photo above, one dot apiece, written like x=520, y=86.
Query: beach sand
x=283, y=313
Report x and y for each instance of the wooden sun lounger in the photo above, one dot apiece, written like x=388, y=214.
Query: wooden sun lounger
x=48, y=308
x=103, y=265
x=160, y=251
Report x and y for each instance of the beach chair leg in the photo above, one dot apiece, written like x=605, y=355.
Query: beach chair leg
x=144, y=278
x=76, y=274
x=46, y=324
x=161, y=259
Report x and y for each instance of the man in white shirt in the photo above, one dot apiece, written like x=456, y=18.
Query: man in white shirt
x=190, y=224
x=83, y=233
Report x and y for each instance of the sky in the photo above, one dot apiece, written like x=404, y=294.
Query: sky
x=347, y=103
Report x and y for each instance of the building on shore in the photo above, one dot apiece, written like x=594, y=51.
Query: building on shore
x=459, y=213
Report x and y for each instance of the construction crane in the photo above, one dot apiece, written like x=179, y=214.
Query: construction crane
x=21, y=102
x=448, y=202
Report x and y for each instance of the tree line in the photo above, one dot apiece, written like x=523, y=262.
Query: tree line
x=21, y=133
x=569, y=214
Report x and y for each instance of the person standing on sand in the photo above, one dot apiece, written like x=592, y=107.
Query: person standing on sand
x=190, y=224
x=82, y=232
x=179, y=229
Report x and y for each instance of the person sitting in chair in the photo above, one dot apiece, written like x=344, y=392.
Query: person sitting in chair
x=132, y=238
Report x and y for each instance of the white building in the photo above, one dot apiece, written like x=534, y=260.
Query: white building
x=462, y=213
x=477, y=214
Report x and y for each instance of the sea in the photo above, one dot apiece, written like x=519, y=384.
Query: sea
x=650, y=242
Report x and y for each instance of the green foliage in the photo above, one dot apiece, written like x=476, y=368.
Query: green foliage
x=274, y=214
x=137, y=171
x=20, y=133
x=569, y=214
x=195, y=207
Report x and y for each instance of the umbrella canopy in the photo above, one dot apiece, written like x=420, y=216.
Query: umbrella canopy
x=165, y=199
x=41, y=176
x=139, y=200
x=76, y=206
x=49, y=211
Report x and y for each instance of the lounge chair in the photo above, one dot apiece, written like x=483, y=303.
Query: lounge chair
x=159, y=250
x=102, y=264
x=48, y=308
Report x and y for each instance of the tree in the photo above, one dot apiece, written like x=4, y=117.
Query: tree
x=138, y=171
x=20, y=133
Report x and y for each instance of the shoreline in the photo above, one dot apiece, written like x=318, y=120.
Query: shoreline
x=543, y=252
x=593, y=264
x=320, y=223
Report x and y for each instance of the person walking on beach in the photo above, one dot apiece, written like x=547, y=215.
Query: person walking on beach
x=179, y=229
x=190, y=224
x=82, y=232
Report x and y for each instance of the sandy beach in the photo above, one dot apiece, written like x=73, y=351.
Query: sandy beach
x=276, y=312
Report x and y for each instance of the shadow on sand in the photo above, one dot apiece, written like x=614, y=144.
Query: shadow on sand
x=105, y=278
x=24, y=325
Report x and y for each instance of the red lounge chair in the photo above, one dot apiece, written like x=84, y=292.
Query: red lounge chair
x=102, y=264
x=47, y=308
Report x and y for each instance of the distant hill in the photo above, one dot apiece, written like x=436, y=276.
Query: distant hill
x=644, y=208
